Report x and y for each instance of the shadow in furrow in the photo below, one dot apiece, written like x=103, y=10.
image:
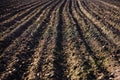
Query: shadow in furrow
x=109, y=26
x=33, y=43
x=102, y=42
x=98, y=29
x=59, y=58
x=98, y=37
x=19, y=18
x=19, y=10
x=12, y=9
x=8, y=40
x=91, y=53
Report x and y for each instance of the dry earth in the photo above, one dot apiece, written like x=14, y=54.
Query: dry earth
x=59, y=40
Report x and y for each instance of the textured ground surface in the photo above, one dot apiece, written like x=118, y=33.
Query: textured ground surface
x=59, y=40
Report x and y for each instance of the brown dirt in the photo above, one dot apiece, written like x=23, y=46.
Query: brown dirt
x=59, y=40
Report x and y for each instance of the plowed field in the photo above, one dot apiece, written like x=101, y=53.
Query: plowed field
x=59, y=40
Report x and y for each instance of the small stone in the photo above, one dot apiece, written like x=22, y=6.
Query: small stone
x=13, y=69
x=101, y=76
x=38, y=74
x=10, y=72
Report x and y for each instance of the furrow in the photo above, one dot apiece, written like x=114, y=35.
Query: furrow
x=25, y=37
x=74, y=49
x=40, y=70
x=110, y=5
x=18, y=14
x=20, y=69
x=106, y=30
x=97, y=69
x=8, y=27
x=7, y=39
x=18, y=10
x=17, y=19
x=97, y=34
x=101, y=16
x=59, y=58
x=102, y=51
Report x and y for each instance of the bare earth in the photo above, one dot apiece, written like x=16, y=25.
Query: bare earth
x=59, y=40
